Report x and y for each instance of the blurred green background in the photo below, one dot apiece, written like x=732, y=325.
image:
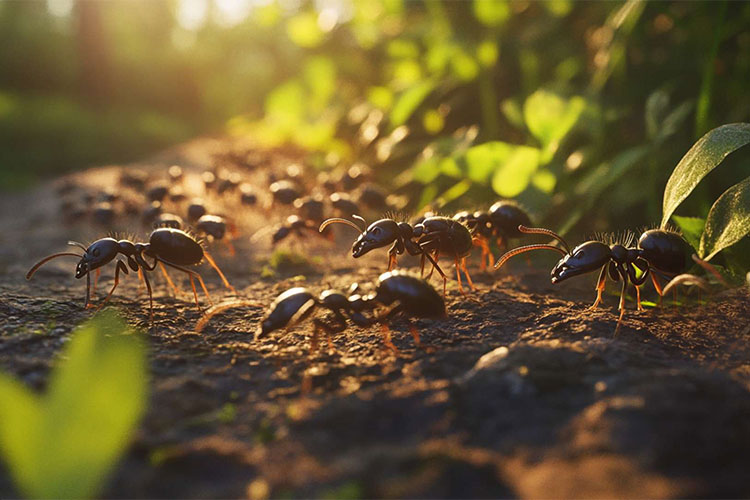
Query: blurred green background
x=579, y=109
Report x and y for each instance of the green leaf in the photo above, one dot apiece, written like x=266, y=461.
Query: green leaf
x=65, y=443
x=484, y=159
x=492, y=12
x=550, y=117
x=728, y=220
x=516, y=173
x=691, y=227
x=703, y=157
x=409, y=101
x=304, y=31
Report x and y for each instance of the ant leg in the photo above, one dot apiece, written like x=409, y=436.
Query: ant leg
x=190, y=273
x=391, y=261
x=657, y=286
x=421, y=266
x=195, y=292
x=622, y=302
x=169, y=280
x=466, y=271
x=230, y=247
x=479, y=242
x=150, y=299
x=120, y=267
x=458, y=277
x=221, y=275
x=600, y=285
x=386, y=331
x=96, y=280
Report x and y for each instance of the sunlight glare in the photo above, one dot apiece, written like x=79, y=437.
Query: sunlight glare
x=191, y=14
x=60, y=8
x=232, y=12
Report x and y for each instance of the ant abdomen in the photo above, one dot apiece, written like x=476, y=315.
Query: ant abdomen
x=665, y=250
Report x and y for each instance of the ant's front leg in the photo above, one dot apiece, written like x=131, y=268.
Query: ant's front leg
x=396, y=249
x=600, y=284
x=120, y=267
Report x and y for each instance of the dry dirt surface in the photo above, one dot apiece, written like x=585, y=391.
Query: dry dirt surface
x=524, y=392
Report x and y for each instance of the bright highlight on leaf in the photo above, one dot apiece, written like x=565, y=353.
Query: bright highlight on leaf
x=703, y=157
x=63, y=444
x=728, y=221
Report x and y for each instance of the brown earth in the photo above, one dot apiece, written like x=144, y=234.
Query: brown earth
x=527, y=393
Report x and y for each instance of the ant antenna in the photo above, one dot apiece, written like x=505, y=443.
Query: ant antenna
x=547, y=232
x=76, y=244
x=47, y=259
x=502, y=260
x=334, y=220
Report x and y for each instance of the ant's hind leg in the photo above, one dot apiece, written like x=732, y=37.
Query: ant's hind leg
x=657, y=286
x=192, y=274
x=221, y=275
x=150, y=298
x=169, y=280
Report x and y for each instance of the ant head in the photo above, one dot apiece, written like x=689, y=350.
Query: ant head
x=584, y=258
x=96, y=255
x=379, y=234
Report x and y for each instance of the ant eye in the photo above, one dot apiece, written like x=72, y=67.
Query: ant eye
x=579, y=254
x=376, y=230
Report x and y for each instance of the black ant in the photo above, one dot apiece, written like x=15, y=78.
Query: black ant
x=430, y=238
x=402, y=292
x=500, y=221
x=293, y=225
x=284, y=192
x=167, y=246
x=658, y=252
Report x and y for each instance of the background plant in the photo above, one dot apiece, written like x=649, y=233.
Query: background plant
x=578, y=109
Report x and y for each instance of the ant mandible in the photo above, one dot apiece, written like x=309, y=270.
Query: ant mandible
x=167, y=246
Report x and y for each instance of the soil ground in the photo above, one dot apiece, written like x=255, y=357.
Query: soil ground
x=525, y=392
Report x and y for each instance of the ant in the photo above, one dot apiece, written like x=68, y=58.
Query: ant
x=402, y=292
x=214, y=226
x=658, y=252
x=292, y=225
x=167, y=246
x=433, y=236
x=501, y=221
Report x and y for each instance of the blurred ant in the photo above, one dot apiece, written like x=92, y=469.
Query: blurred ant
x=500, y=221
x=166, y=246
x=430, y=238
x=284, y=192
x=401, y=292
x=658, y=252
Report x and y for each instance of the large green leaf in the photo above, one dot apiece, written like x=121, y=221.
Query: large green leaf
x=728, y=220
x=64, y=444
x=515, y=174
x=703, y=157
x=691, y=228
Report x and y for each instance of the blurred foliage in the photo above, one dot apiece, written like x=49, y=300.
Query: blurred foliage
x=577, y=109
x=63, y=444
